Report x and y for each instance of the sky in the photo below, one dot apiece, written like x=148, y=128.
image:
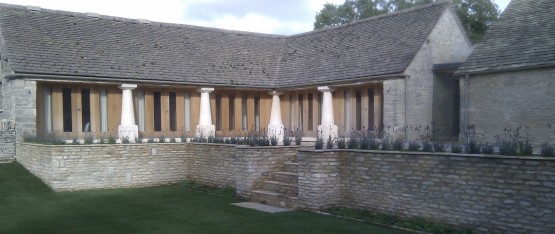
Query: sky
x=284, y=17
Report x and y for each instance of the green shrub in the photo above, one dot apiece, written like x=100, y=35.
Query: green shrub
x=427, y=146
x=298, y=137
x=319, y=143
x=508, y=147
x=472, y=147
x=286, y=141
x=329, y=143
x=352, y=143
x=455, y=148
x=111, y=140
x=526, y=148
x=488, y=149
x=547, y=150
x=439, y=146
x=397, y=145
x=414, y=146
x=341, y=143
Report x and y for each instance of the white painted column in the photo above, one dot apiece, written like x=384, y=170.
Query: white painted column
x=205, y=128
x=275, y=128
x=127, y=128
x=327, y=127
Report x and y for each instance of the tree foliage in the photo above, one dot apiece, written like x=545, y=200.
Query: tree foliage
x=476, y=15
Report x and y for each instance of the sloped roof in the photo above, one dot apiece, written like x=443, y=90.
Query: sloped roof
x=524, y=37
x=67, y=44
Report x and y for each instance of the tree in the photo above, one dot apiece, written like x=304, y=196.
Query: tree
x=476, y=15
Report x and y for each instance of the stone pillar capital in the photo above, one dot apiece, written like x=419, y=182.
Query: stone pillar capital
x=274, y=93
x=205, y=90
x=325, y=89
x=127, y=86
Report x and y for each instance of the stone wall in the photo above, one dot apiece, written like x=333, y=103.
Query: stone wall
x=7, y=145
x=511, y=100
x=211, y=164
x=490, y=194
x=78, y=167
x=446, y=43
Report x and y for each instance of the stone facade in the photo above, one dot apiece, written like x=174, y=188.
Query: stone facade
x=499, y=101
x=443, y=45
x=19, y=104
x=7, y=145
x=490, y=194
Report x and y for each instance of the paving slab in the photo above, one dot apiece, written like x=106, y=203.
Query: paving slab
x=261, y=207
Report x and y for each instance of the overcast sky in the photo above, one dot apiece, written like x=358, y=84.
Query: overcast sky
x=284, y=17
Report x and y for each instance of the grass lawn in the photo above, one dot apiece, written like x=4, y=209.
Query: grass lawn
x=29, y=206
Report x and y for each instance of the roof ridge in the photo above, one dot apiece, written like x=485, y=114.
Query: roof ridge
x=377, y=17
x=131, y=20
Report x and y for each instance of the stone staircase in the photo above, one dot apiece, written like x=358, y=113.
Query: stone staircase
x=281, y=189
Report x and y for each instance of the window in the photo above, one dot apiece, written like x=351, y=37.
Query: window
x=48, y=109
x=358, y=110
x=231, y=112
x=310, y=114
x=66, y=105
x=103, y=110
x=141, y=110
x=173, y=112
x=257, y=113
x=347, y=111
x=187, y=114
x=157, y=111
x=371, y=124
x=218, y=112
x=86, y=110
x=300, y=102
x=244, y=113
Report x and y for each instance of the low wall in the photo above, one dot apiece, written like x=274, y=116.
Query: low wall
x=7, y=145
x=211, y=164
x=77, y=167
x=492, y=194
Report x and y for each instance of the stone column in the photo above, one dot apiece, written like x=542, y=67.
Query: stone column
x=205, y=128
x=327, y=128
x=127, y=128
x=275, y=128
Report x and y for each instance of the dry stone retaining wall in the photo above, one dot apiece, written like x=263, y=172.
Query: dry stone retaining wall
x=78, y=167
x=490, y=194
x=7, y=145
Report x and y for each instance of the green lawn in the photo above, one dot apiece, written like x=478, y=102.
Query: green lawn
x=29, y=206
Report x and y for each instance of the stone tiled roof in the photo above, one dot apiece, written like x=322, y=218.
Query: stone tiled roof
x=376, y=46
x=524, y=37
x=70, y=45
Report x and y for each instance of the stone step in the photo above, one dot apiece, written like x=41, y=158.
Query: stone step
x=286, y=177
x=291, y=167
x=288, y=189
x=274, y=199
